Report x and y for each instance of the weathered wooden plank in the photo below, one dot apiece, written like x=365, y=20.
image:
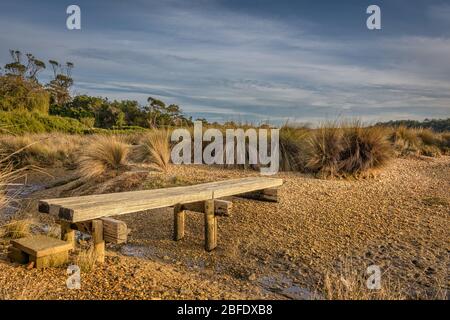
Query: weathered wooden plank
x=41, y=246
x=270, y=195
x=96, y=206
x=53, y=260
x=246, y=184
x=221, y=207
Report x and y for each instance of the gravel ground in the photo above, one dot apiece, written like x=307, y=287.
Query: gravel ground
x=398, y=220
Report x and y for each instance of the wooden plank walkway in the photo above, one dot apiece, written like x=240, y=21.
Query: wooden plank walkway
x=85, y=208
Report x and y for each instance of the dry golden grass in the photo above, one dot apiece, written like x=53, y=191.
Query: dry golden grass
x=293, y=148
x=86, y=259
x=343, y=149
x=335, y=149
x=40, y=149
x=405, y=140
x=325, y=147
x=104, y=154
x=429, y=137
x=154, y=148
x=350, y=286
x=364, y=149
x=6, y=175
x=16, y=229
x=347, y=283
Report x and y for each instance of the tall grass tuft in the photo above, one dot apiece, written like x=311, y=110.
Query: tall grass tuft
x=405, y=140
x=104, y=154
x=86, y=259
x=445, y=143
x=341, y=149
x=364, y=149
x=154, y=148
x=293, y=148
x=324, y=152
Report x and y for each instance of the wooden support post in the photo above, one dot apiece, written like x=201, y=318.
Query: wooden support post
x=67, y=233
x=178, y=222
x=114, y=231
x=222, y=208
x=269, y=194
x=210, y=226
x=99, y=243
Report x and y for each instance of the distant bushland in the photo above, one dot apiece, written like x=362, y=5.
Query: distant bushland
x=21, y=91
x=438, y=125
x=19, y=122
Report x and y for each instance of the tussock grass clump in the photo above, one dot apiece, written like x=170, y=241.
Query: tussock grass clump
x=420, y=141
x=154, y=148
x=405, y=140
x=364, y=149
x=347, y=149
x=293, y=144
x=325, y=148
x=445, y=142
x=429, y=137
x=104, y=154
x=16, y=229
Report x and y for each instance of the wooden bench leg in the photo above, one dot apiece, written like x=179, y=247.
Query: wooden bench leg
x=178, y=222
x=67, y=233
x=99, y=243
x=210, y=226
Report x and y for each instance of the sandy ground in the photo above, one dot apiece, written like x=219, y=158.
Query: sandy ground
x=266, y=250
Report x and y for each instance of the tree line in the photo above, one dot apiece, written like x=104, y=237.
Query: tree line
x=438, y=125
x=20, y=89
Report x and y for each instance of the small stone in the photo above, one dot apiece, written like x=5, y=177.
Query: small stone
x=166, y=258
x=252, y=277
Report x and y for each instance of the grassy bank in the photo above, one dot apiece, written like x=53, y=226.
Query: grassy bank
x=333, y=150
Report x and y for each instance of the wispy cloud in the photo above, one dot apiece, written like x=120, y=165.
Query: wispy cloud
x=220, y=62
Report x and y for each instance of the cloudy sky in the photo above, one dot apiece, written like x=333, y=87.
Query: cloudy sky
x=248, y=60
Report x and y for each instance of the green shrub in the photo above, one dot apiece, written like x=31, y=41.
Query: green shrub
x=17, y=93
x=19, y=122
